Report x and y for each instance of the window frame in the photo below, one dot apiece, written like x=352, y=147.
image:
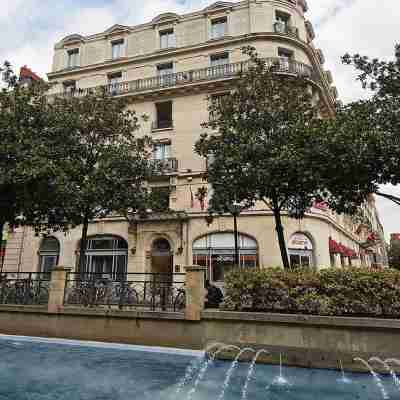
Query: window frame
x=219, y=56
x=73, y=57
x=121, y=48
x=170, y=38
x=214, y=33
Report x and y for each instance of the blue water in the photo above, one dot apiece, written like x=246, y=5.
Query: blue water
x=49, y=370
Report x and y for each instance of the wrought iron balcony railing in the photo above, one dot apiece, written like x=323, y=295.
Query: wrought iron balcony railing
x=219, y=72
x=167, y=165
x=286, y=29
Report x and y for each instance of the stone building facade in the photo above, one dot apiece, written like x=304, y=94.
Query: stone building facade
x=168, y=68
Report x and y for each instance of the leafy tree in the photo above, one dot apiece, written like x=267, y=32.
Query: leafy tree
x=394, y=255
x=362, y=144
x=261, y=144
x=26, y=151
x=104, y=167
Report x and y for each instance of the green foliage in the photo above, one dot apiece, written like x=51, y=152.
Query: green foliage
x=262, y=146
x=27, y=151
x=394, y=255
x=344, y=292
x=362, y=144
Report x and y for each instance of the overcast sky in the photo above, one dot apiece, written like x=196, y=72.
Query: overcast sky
x=29, y=29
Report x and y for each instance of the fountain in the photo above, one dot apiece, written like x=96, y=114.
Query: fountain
x=388, y=368
x=280, y=380
x=251, y=372
x=204, y=368
x=376, y=377
x=231, y=370
x=344, y=378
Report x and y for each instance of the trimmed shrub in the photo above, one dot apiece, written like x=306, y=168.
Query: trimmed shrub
x=340, y=292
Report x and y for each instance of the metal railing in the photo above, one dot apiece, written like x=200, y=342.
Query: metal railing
x=166, y=165
x=280, y=27
x=24, y=288
x=138, y=291
x=218, y=72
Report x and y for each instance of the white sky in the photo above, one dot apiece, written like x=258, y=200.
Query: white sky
x=29, y=29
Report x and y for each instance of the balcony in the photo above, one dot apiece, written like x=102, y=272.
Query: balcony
x=197, y=76
x=166, y=166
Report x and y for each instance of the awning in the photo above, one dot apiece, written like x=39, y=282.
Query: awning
x=338, y=248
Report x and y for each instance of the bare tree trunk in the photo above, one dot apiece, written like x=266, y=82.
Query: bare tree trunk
x=281, y=237
x=83, y=244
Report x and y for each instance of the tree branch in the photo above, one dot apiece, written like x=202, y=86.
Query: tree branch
x=395, y=199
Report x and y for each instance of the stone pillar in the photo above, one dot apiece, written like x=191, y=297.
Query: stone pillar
x=195, y=292
x=346, y=261
x=338, y=260
x=57, y=289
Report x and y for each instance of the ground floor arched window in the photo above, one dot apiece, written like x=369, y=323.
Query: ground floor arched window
x=106, y=256
x=49, y=253
x=301, y=251
x=216, y=252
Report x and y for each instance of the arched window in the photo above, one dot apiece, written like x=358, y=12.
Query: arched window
x=106, y=256
x=301, y=251
x=49, y=253
x=216, y=252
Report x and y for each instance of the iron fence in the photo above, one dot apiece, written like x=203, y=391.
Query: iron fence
x=139, y=291
x=24, y=288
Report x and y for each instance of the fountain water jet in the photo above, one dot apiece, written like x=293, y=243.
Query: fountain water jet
x=388, y=368
x=343, y=379
x=280, y=380
x=205, y=367
x=231, y=370
x=377, y=379
x=190, y=370
x=250, y=373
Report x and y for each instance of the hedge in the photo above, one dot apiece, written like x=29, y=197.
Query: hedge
x=339, y=292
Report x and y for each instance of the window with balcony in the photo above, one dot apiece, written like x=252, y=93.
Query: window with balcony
x=219, y=28
x=165, y=69
x=217, y=100
x=163, y=115
x=219, y=59
x=285, y=56
x=117, y=49
x=162, y=151
x=69, y=86
x=167, y=39
x=114, y=78
x=73, y=58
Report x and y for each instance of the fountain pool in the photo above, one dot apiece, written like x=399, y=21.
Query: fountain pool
x=40, y=369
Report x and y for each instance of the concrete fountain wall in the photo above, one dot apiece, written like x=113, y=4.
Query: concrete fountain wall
x=309, y=341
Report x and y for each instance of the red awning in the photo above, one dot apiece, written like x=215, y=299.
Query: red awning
x=335, y=247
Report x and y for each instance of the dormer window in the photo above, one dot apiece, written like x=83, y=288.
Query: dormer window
x=73, y=58
x=167, y=39
x=117, y=48
x=219, y=27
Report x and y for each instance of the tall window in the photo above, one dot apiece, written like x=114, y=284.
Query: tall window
x=48, y=254
x=285, y=56
x=69, y=86
x=163, y=115
x=219, y=59
x=219, y=27
x=301, y=252
x=167, y=39
x=216, y=252
x=73, y=58
x=282, y=22
x=114, y=78
x=165, y=69
x=107, y=257
x=117, y=49
x=162, y=151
